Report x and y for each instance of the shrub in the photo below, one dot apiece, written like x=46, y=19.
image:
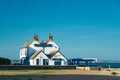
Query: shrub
x=5, y=61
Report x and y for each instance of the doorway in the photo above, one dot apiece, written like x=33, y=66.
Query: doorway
x=57, y=62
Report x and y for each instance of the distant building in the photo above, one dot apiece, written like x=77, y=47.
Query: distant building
x=82, y=61
x=46, y=52
x=15, y=62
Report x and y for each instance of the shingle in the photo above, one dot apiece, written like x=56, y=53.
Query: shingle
x=35, y=54
x=27, y=43
x=45, y=42
x=52, y=53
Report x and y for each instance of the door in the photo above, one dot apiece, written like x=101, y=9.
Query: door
x=57, y=62
x=45, y=61
x=37, y=61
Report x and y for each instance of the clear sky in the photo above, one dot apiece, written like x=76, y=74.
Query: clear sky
x=82, y=28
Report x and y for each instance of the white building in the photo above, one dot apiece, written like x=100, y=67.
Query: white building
x=46, y=52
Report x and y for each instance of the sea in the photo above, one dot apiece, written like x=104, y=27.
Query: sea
x=105, y=64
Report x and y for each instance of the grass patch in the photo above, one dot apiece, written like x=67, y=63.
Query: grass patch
x=25, y=72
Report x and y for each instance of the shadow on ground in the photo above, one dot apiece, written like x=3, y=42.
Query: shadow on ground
x=59, y=77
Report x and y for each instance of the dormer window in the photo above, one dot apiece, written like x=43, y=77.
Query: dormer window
x=43, y=45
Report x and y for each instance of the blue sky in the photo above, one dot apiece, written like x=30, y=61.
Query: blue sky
x=82, y=28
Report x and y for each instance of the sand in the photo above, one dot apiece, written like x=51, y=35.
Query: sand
x=61, y=75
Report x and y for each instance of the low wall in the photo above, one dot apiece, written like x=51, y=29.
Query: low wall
x=83, y=68
x=89, y=68
x=26, y=67
x=96, y=68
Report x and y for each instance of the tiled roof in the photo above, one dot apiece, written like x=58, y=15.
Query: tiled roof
x=45, y=42
x=35, y=54
x=27, y=43
x=52, y=53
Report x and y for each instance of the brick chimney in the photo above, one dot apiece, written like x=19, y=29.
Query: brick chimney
x=50, y=37
x=36, y=37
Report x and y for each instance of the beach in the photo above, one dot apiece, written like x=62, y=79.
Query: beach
x=59, y=75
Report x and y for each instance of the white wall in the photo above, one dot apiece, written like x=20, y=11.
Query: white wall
x=34, y=47
x=53, y=43
x=59, y=56
x=40, y=56
x=31, y=62
x=49, y=49
x=51, y=62
x=23, y=52
x=62, y=63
